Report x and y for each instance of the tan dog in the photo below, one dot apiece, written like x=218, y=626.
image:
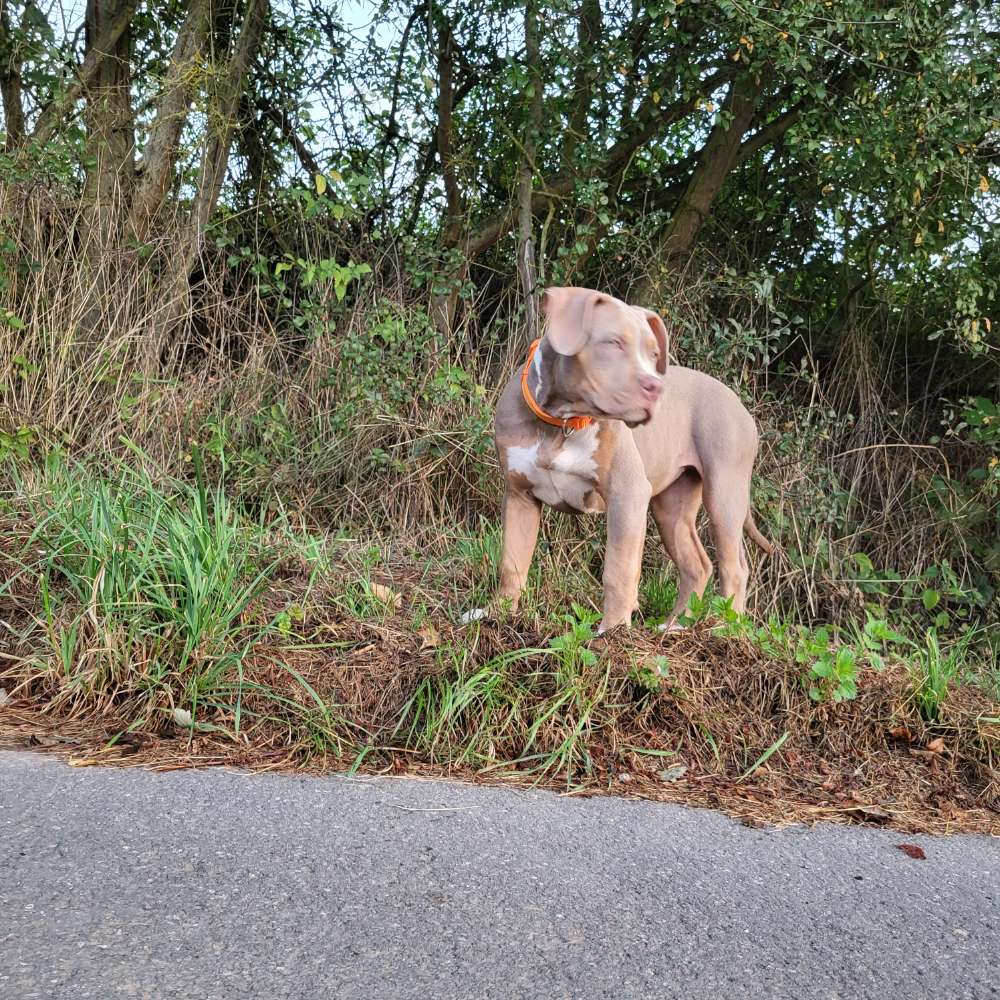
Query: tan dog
x=664, y=435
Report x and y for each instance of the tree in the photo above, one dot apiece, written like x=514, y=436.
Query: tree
x=495, y=133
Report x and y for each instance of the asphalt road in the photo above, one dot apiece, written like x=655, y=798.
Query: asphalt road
x=215, y=884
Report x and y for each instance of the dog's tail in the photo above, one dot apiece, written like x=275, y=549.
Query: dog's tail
x=754, y=532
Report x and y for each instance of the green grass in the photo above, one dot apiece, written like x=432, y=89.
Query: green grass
x=162, y=603
x=936, y=666
x=658, y=591
x=530, y=708
x=164, y=577
x=143, y=592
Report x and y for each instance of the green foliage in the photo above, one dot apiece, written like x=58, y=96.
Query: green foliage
x=571, y=647
x=937, y=594
x=832, y=672
x=650, y=674
x=17, y=446
x=980, y=425
x=324, y=274
x=144, y=588
x=833, y=658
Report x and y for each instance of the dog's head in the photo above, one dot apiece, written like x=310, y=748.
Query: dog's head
x=617, y=353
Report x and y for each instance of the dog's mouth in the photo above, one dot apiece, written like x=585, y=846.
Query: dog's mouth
x=639, y=423
x=628, y=421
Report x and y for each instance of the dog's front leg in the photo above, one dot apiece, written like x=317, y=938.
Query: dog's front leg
x=627, y=511
x=521, y=518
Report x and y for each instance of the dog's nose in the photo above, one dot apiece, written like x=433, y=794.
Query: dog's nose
x=650, y=386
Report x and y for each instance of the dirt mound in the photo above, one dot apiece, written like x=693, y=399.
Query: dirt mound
x=696, y=716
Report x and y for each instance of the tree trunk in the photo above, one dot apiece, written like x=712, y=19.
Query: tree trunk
x=717, y=159
x=10, y=83
x=526, y=265
x=86, y=72
x=444, y=301
x=222, y=114
x=588, y=35
x=718, y=156
x=159, y=158
x=109, y=119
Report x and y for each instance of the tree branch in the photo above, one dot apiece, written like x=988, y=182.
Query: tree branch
x=160, y=155
x=588, y=35
x=445, y=150
x=10, y=82
x=526, y=265
x=769, y=133
x=223, y=116
x=290, y=136
x=85, y=73
x=649, y=121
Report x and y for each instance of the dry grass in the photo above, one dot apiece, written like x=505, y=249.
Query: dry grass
x=364, y=422
x=363, y=417
x=405, y=690
x=842, y=765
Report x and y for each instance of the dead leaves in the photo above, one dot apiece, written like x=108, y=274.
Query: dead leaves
x=869, y=813
x=905, y=735
x=429, y=638
x=387, y=596
x=912, y=851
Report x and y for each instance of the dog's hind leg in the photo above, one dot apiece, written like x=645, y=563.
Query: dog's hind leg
x=728, y=503
x=675, y=511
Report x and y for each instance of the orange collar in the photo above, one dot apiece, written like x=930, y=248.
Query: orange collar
x=568, y=424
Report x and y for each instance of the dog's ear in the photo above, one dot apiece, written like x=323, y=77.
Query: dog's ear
x=659, y=329
x=569, y=317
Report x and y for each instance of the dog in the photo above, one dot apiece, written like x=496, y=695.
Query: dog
x=598, y=422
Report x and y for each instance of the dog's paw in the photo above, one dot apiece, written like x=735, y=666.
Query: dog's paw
x=605, y=628
x=475, y=615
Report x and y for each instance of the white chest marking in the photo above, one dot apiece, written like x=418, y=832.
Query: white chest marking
x=567, y=477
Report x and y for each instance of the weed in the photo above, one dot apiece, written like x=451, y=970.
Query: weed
x=650, y=674
x=144, y=591
x=833, y=671
x=571, y=650
x=659, y=592
x=934, y=667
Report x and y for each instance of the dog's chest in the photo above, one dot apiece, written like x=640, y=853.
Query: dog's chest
x=561, y=472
